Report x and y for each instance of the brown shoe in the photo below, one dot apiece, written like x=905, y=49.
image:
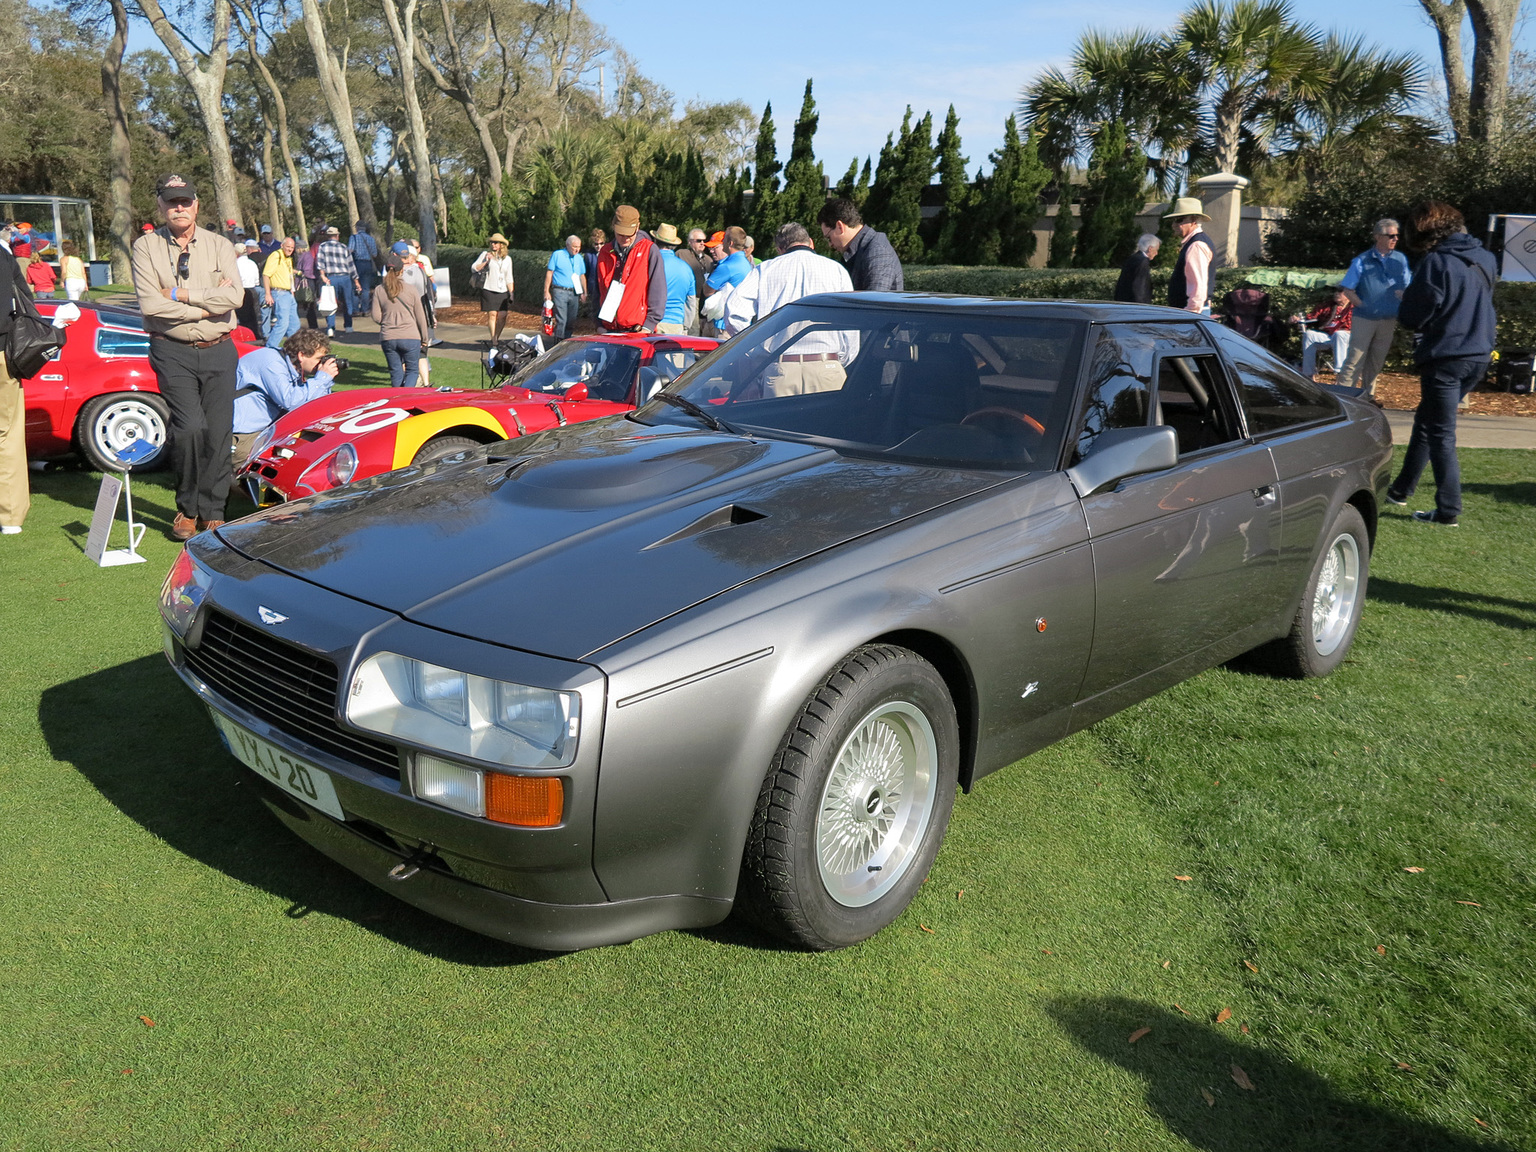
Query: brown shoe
x=183, y=527
x=209, y=525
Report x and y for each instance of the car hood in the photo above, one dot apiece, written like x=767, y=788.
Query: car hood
x=566, y=541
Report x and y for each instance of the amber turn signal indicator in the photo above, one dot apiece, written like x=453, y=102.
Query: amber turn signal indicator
x=527, y=801
x=1039, y=623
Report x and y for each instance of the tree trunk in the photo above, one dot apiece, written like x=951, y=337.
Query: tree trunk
x=1229, y=131
x=457, y=87
x=439, y=196
x=1493, y=24
x=333, y=85
x=353, y=217
x=1447, y=16
x=402, y=29
x=274, y=208
x=207, y=86
x=120, y=235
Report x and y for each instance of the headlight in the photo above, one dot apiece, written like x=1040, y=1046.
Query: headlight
x=185, y=589
x=262, y=442
x=343, y=465
x=464, y=715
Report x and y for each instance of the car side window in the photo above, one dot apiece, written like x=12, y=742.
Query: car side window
x=1275, y=397
x=1189, y=402
x=116, y=342
x=1120, y=378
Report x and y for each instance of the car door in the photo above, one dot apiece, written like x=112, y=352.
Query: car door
x=1184, y=559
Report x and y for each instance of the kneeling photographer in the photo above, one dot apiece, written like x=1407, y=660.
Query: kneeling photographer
x=270, y=382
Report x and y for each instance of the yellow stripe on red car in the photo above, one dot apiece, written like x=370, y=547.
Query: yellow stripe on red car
x=416, y=431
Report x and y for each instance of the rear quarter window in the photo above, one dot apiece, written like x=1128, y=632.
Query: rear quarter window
x=1274, y=395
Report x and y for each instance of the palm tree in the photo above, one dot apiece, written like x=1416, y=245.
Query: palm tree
x=1245, y=56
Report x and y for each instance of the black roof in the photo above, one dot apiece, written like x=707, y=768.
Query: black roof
x=1093, y=310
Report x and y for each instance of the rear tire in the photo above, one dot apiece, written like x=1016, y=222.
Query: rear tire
x=110, y=423
x=439, y=446
x=1324, y=626
x=855, y=806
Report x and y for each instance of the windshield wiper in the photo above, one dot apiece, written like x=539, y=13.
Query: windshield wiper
x=693, y=409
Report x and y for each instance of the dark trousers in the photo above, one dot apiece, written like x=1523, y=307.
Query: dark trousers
x=312, y=309
x=344, y=298
x=566, y=305
x=199, y=386
x=249, y=313
x=1442, y=384
x=367, y=278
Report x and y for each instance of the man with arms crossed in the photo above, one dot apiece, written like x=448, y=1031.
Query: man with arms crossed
x=188, y=289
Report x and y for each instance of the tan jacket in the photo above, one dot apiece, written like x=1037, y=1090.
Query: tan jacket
x=155, y=256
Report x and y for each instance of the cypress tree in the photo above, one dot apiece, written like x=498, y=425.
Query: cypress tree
x=803, y=193
x=944, y=229
x=1062, y=238
x=877, y=201
x=914, y=174
x=461, y=225
x=734, y=200
x=861, y=189
x=507, y=205
x=585, y=210
x=765, y=188
x=1113, y=197
x=845, y=186
x=1028, y=178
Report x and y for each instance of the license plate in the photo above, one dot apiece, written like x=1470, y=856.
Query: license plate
x=294, y=776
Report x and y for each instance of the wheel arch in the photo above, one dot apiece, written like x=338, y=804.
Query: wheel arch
x=958, y=678
x=1365, y=503
x=474, y=423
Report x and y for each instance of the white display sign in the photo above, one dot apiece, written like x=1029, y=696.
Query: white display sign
x=442, y=297
x=101, y=527
x=1519, y=262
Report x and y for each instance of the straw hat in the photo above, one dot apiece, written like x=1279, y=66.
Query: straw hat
x=1186, y=206
x=497, y=238
x=666, y=234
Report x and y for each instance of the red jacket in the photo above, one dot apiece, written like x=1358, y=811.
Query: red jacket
x=40, y=275
x=645, y=285
x=1331, y=317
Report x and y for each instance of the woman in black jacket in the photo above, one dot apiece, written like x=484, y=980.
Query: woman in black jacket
x=1449, y=305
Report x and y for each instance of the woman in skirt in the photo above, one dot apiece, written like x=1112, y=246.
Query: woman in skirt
x=496, y=292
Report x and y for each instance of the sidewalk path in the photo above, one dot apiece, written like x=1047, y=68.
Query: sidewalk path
x=1474, y=431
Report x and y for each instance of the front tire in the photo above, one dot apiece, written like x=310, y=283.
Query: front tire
x=439, y=446
x=1324, y=627
x=855, y=806
x=108, y=424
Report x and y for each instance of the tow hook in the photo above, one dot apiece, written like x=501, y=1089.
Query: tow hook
x=412, y=864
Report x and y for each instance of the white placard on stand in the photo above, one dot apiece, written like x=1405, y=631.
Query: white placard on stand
x=442, y=295
x=101, y=526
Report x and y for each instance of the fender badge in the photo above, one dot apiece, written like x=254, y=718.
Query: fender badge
x=268, y=616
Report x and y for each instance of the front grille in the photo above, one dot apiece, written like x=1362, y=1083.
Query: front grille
x=289, y=688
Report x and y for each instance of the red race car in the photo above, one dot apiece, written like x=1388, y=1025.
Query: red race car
x=100, y=395
x=350, y=435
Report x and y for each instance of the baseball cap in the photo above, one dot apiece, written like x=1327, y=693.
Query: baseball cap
x=174, y=187
x=392, y=259
x=266, y=228
x=626, y=220
x=715, y=240
x=400, y=248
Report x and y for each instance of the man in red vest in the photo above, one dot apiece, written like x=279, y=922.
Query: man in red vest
x=631, y=283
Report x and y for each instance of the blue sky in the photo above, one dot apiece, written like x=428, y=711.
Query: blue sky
x=869, y=60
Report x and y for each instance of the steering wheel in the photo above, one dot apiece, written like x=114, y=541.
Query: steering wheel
x=986, y=415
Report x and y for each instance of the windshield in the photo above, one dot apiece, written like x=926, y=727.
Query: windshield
x=608, y=370
x=948, y=387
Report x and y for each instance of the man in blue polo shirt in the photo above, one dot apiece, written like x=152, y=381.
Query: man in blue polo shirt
x=682, y=289
x=565, y=284
x=1374, y=284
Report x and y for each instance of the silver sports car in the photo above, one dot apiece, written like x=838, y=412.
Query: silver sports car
x=740, y=648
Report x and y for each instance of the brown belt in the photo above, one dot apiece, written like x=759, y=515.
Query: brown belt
x=807, y=357
x=214, y=343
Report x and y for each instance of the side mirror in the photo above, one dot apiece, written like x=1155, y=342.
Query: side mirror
x=577, y=391
x=1122, y=452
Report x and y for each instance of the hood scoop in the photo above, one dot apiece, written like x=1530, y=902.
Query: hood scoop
x=603, y=477
x=728, y=517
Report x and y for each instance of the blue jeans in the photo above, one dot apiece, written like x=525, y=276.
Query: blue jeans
x=403, y=357
x=367, y=278
x=285, y=318
x=566, y=304
x=344, y=299
x=1442, y=384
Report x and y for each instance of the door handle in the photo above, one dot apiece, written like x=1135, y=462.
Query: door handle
x=1264, y=496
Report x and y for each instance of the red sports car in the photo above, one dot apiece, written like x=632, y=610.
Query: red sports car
x=350, y=435
x=100, y=395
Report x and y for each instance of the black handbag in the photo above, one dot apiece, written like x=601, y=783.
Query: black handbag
x=32, y=341
x=303, y=290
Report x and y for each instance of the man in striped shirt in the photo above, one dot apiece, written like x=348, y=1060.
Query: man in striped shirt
x=338, y=269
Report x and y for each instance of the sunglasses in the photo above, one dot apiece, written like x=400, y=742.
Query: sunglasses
x=183, y=265
x=1389, y=235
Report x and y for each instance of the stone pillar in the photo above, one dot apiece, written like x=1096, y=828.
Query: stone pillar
x=1223, y=196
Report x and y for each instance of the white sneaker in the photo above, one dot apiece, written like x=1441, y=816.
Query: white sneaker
x=10, y=529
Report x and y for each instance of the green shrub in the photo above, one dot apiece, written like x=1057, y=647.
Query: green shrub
x=527, y=273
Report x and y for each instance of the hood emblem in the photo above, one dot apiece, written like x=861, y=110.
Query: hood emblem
x=268, y=616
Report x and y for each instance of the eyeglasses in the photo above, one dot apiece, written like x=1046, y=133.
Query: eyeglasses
x=1389, y=235
x=183, y=265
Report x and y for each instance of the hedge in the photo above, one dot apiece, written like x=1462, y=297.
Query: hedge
x=527, y=273
x=1291, y=290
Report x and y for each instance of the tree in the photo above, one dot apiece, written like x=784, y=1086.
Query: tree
x=461, y=225
x=331, y=67
x=120, y=231
x=1476, y=110
x=207, y=85
x=1063, y=238
x=957, y=192
x=1112, y=200
x=765, y=185
x=804, y=185
x=402, y=30
x=251, y=30
x=999, y=224
x=904, y=214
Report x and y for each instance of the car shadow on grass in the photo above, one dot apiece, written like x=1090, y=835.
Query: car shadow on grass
x=1194, y=1075
x=146, y=744
x=1520, y=492
x=1500, y=610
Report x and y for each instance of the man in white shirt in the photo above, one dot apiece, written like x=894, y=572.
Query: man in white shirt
x=249, y=313
x=813, y=363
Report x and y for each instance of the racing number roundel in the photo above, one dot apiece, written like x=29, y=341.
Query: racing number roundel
x=370, y=418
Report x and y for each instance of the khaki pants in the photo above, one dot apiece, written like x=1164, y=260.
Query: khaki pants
x=242, y=445
x=15, y=498
x=799, y=378
x=665, y=329
x=1369, y=342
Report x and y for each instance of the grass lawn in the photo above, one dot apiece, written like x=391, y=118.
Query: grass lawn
x=296, y=1007
x=369, y=370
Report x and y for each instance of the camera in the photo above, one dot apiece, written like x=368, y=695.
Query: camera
x=341, y=364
